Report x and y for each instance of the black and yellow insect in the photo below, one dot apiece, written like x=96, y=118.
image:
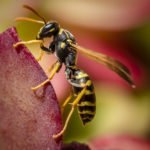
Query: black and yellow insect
x=65, y=48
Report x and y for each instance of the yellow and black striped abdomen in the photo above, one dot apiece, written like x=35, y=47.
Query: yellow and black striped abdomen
x=87, y=108
x=87, y=104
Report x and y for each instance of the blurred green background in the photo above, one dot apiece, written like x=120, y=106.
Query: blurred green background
x=117, y=28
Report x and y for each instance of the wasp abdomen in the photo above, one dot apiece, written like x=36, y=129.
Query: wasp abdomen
x=87, y=104
x=87, y=108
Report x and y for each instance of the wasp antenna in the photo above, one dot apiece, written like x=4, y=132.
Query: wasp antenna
x=29, y=19
x=35, y=12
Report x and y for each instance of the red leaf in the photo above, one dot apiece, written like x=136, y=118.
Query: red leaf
x=27, y=119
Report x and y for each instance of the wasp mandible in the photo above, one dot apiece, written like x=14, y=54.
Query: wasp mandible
x=65, y=47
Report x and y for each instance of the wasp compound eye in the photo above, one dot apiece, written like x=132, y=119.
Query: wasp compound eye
x=48, y=30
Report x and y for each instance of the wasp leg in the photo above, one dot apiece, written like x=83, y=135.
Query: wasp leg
x=40, y=56
x=66, y=102
x=52, y=66
x=73, y=105
x=27, y=42
x=31, y=42
x=54, y=70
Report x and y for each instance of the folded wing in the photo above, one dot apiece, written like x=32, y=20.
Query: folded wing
x=111, y=63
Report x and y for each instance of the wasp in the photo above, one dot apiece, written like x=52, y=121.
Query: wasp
x=65, y=47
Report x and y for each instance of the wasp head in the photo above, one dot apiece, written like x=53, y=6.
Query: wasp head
x=48, y=30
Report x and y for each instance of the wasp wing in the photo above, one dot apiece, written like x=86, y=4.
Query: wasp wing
x=111, y=63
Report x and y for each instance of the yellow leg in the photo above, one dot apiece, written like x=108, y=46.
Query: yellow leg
x=40, y=56
x=52, y=66
x=55, y=69
x=74, y=104
x=27, y=42
x=31, y=42
x=55, y=136
x=66, y=102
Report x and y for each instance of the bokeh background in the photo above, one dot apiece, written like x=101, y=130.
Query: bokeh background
x=118, y=28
